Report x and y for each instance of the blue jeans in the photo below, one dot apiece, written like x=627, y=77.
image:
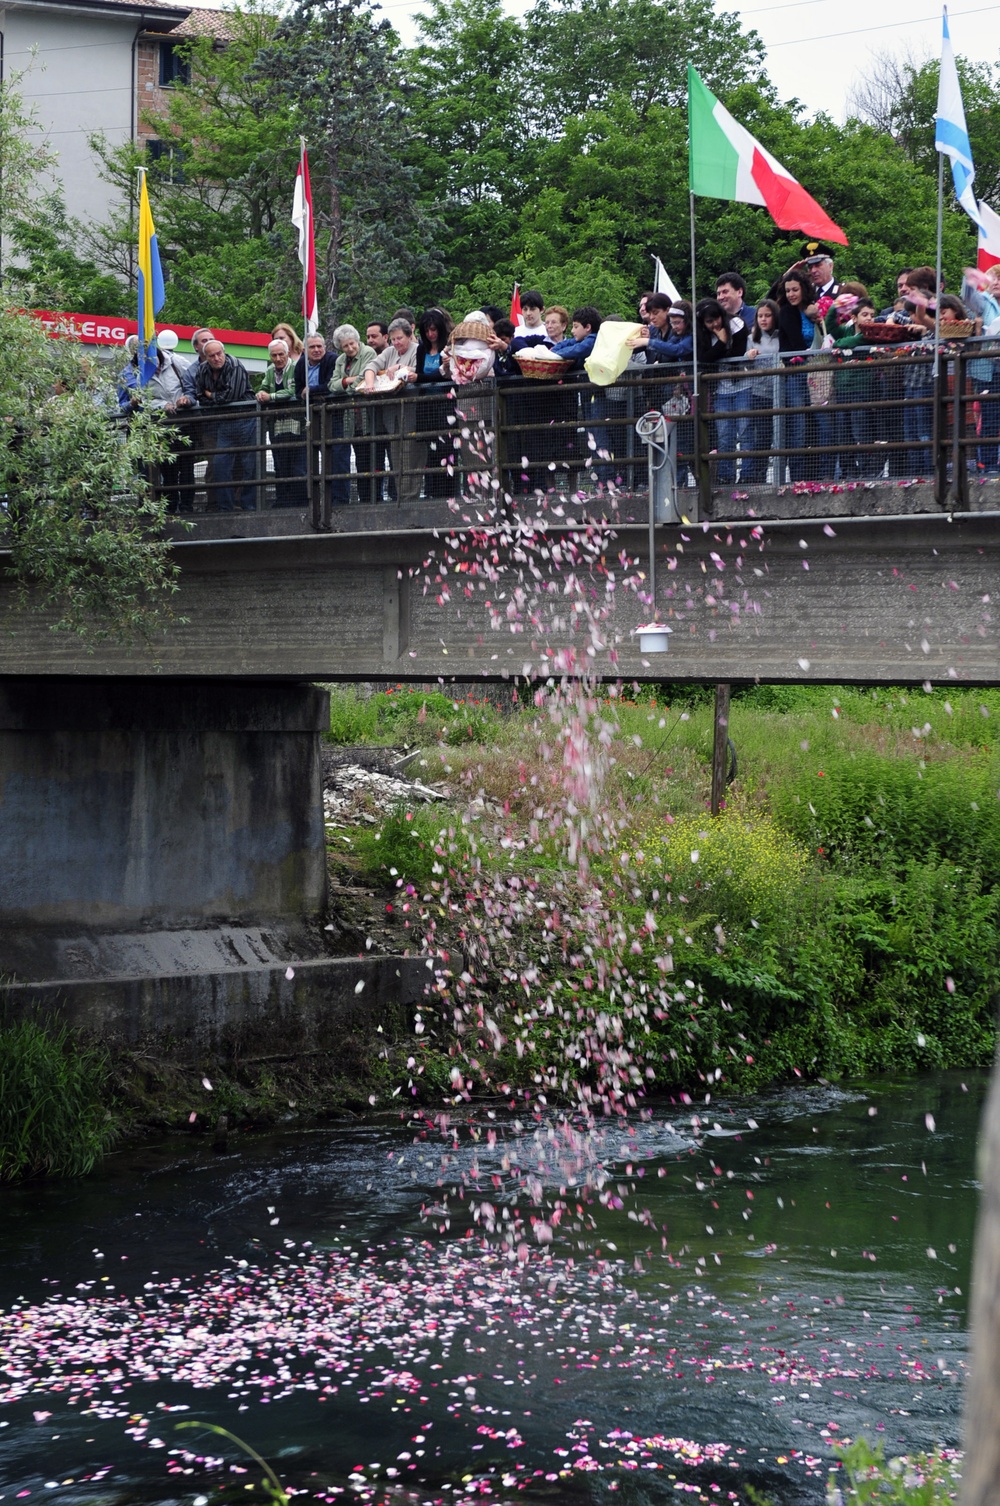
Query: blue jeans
x=824, y=465
x=988, y=455
x=233, y=440
x=731, y=433
x=754, y=470
x=918, y=422
x=795, y=394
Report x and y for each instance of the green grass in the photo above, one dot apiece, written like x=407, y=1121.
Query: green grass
x=840, y=917
x=53, y=1118
x=865, y=1476
x=407, y=715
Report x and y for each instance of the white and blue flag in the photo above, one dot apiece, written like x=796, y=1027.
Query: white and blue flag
x=950, y=134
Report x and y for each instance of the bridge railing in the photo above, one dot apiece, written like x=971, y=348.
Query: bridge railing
x=841, y=422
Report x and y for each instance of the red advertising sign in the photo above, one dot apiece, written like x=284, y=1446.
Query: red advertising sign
x=108, y=329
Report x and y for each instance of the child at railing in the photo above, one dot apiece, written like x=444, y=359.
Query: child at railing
x=763, y=348
x=856, y=385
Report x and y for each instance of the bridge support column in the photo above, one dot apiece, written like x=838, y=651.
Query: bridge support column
x=151, y=827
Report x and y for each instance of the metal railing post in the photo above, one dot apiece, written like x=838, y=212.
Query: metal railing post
x=939, y=436
x=703, y=466
x=959, y=466
x=312, y=490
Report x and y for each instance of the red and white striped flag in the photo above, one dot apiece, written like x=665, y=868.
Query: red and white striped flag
x=989, y=238
x=302, y=219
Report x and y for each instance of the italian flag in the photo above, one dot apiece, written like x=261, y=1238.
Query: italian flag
x=727, y=163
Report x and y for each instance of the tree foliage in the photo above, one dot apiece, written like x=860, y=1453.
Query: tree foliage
x=80, y=526
x=22, y=159
x=548, y=149
x=48, y=272
x=900, y=99
x=336, y=68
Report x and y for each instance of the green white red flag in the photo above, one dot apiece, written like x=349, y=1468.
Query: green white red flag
x=726, y=162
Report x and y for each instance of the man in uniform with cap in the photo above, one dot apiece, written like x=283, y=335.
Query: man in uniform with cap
x=818, y=262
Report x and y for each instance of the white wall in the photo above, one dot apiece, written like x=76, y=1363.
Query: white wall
x=79, y=82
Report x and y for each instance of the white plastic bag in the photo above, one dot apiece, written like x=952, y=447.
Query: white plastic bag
x=611, y=352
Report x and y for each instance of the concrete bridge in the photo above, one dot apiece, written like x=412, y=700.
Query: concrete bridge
x=162, y=861
x=874, y=600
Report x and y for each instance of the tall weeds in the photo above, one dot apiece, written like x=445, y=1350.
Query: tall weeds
x=53, y=1118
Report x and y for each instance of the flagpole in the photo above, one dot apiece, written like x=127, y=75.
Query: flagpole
x=938, y=262
x=695, y=398
x=694, y=299
x=305, y=286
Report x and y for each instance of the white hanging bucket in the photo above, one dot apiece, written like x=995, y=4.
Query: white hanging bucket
x=652, y=637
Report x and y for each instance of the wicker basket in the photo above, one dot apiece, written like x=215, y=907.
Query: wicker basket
x=884, y=334
x=540, y=369
x=896, y=334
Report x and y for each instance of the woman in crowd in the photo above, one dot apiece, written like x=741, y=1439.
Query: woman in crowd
x=556, y=320
x=796, y=332
x=394, y=418
x=353, y=361
x=472, y=362
x=433, y=329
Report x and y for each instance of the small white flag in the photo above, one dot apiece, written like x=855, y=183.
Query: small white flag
x=663, y=283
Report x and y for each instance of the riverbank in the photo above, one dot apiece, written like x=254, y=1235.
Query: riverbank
x=838, y=919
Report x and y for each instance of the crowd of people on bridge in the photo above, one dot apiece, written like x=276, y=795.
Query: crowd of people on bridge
x=793, y=384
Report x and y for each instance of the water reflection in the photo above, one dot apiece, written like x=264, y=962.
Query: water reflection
x=755, y=1281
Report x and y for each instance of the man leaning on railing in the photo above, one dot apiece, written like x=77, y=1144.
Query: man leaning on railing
x=221, y=382
x=277, y=393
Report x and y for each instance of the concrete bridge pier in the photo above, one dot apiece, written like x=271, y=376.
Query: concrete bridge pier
x=162, y=858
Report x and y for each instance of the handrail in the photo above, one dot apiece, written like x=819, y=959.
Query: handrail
x=816, y=419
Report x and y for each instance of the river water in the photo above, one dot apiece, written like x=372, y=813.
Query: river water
x=738, y=1284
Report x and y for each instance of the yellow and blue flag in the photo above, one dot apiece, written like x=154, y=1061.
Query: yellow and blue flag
x=151, y=293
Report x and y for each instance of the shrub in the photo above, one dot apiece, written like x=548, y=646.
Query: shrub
x=407, y=714
x=412, y=846
x=865, y=809
x=738, y=868
x=53, y=1121
x=866, y=1475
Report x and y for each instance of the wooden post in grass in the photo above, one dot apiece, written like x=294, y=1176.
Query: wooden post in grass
x=720, y=747
x=981, y=1470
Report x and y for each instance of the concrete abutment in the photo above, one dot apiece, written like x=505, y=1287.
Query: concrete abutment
x=163, y=862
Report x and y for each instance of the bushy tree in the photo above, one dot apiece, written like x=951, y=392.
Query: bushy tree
x=337, y=69
x=585, y=54
x=476, y=160
x=22, y=155
x=78, y=518
x=900, y=98
x=48, y=271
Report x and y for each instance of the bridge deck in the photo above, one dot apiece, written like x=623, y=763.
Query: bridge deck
x=887, y=599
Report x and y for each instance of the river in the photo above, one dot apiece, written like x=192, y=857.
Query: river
x=747, y=1281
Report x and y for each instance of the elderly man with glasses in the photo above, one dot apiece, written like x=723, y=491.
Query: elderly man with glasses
x=221, y=383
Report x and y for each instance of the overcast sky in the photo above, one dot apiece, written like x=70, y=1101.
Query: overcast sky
x=818, y=48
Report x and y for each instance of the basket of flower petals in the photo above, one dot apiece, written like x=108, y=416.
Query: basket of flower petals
x=884, y=334
x=539, y=362
x=957, y=329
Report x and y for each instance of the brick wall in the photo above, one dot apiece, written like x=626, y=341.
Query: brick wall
x=150, y=96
